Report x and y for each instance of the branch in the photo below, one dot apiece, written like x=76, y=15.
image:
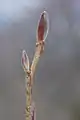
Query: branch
x=42, y=32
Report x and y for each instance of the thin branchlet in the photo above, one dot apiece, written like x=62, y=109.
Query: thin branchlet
x=30, y=110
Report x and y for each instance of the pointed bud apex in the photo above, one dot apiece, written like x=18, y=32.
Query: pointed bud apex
x=25, y=60
x=43, y=27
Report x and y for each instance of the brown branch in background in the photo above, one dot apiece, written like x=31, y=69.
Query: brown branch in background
x=42, y=31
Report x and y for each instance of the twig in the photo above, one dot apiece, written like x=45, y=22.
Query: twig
x=42, y=31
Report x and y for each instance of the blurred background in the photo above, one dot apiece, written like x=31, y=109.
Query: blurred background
x=57, y=79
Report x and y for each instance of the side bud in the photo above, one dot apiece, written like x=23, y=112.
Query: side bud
x=25, y=61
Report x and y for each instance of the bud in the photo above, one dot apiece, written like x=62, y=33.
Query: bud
x=43, y=27
x=25, y=60
x=33, y=111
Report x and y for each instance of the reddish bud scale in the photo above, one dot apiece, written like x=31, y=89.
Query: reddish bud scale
x=41, y=28
x=33, y=111
x=33, y=115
